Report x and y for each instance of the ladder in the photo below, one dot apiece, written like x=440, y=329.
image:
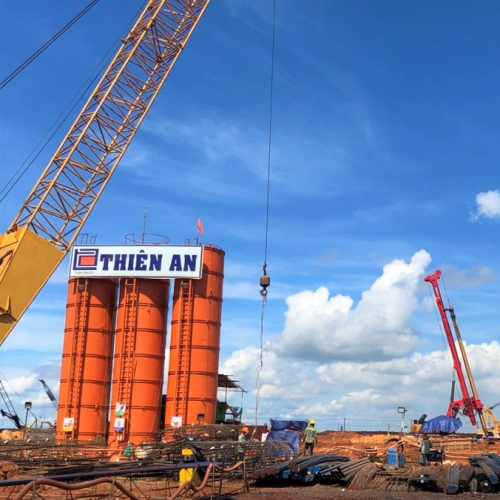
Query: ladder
x=126, y=355
x=186, y=298
x=77, y=357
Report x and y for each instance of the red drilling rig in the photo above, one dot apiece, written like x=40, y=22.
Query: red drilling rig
x=468, y=405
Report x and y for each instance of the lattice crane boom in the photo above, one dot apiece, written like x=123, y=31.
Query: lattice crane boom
x=62, y=199
x=49, y=393
x=11, y=412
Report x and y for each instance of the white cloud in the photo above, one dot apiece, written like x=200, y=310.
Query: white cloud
x=335, y=361
x=28, y=388
x=367, y=394
x=318, y=327
x=488, y=205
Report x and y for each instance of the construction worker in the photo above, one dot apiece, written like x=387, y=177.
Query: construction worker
x=310, y=438
x=425, y=450
x=243, y=437
x=127, y=452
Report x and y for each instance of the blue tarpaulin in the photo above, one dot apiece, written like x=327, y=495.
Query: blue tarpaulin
x=442, y=424
x=287, y=430
x=291, y=425
x=291, y=437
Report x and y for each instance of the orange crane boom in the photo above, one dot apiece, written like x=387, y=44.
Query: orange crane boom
x=62, y=199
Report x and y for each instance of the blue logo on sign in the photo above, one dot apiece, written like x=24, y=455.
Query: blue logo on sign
x=85, y=259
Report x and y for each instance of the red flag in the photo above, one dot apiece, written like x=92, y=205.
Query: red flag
x=199, y=226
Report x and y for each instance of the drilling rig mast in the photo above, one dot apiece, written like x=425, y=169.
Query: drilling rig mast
x=468, y=405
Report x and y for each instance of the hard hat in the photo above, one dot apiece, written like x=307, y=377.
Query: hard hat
x=312, y=421
x=244, y=429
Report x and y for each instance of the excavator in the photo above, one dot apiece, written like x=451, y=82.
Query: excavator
x=492, y=422
x=468, y=405
x=62, y=199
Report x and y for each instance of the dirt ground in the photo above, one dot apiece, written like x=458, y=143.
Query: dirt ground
x=359, y=445
x=354, y=445
x=325, y=492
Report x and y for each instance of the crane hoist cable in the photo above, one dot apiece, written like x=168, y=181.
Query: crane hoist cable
x=63, y=116
x=265, y=281
x=12, y=390
x=46, y=45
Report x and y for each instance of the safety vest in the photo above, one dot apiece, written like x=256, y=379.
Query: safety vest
x=310, y=434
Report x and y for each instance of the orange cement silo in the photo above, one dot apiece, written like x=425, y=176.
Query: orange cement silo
x=195, y=344
x=87, y=359
x=139, y=361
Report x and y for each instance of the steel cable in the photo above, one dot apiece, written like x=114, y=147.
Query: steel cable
x=60, y=120
x=46, y=45
x=264, y=291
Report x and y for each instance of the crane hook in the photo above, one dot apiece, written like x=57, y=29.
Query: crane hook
x=265, y=281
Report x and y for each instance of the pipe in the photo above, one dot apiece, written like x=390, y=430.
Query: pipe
x=72, y=487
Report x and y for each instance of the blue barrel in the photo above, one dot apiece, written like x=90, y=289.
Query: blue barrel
x=392, y=457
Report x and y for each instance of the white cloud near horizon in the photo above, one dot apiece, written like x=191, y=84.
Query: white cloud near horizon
x=335, y=359
x=366, y=392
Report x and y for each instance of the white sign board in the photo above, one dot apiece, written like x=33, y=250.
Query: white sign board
x=120, y=409
x=129, y=261
x=68, y=424
x=176, y=421
x=119, y=424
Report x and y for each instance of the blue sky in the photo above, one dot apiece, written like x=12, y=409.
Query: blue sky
x=384, y=168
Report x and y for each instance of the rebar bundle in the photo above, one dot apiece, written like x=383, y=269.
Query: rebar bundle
x=33, y=453
x=207, y=432
x=341, y=471
x=327, y=460
x=256, y=455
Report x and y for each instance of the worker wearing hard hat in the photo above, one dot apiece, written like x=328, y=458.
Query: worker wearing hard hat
x=243, y=436
x=310, y=438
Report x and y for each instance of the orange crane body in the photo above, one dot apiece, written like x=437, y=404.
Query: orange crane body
x=62, y=199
